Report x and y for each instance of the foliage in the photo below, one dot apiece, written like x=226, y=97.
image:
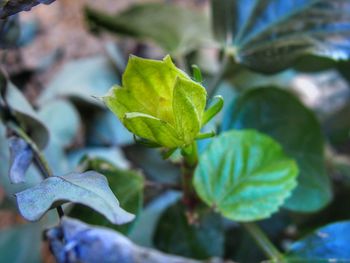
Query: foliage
x=163, y=162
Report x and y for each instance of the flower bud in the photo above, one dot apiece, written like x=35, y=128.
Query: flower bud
x=158, y=102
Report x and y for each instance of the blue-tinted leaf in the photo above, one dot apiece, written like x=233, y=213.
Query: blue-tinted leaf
x=128, y=185
x=32, y=176
x=90, y=189
x=21, y=156
x=329, y=243
x=62, y=121
x=10, y=7
x=74, y=241
x=82, y=80
x=269, y=35
x=281, y=115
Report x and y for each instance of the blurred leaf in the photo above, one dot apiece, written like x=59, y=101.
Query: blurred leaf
x=143, y=230
x=32, y=176
x=329, y=243
x=10, y=7
x=62, y=121
x=26, y=115
x=21, y=156
x=176, y=29
x=9, y=32
x=269, y=35
x=104, y=129
x=90, y=189
x=152, y=164
x=245, y=175
x=201, y=240
x=81, y=80
x=126, y=184
x=20, y=244
x=112, y=154
x=282, y=116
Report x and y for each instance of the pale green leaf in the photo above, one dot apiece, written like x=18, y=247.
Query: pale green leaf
x=245, y=175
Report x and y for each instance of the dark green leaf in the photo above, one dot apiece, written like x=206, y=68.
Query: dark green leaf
x=201, y=240
x=20, y=244
x=269, y=35
x=245, y=175
x=329, y=243
x=21, y=156
x=282, y=116
x=10, y=7
x=90, y=189
x=177, y=30
x=126, y=184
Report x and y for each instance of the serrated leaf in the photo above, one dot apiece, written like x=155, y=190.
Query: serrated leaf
x=176, y=29
x=327, y=244
x=282, y=116
x=21, y=156
x=269, y=35
x=10, y=7
x=128, y=185
x=90, y=189
x=245, y=175
x=201, y=240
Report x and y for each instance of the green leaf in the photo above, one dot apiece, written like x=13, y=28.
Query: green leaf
x=20, y=244
x=126, y=184
x=10, y=7
x=329, y=243
x=200, y=240
x=158, y=102
x=176, y=29
x=245, y=175
x=81, y=80
x=281, y=115
x=89, y=189
x=269, y=35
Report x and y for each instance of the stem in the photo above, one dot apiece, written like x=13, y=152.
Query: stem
x=40, y=160
x=263, y=242
x=189, y=164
